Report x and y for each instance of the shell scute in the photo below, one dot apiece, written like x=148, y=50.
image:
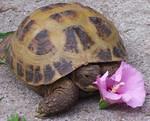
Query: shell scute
x=29, y=73
x=37, y=75
x=41, y=44
x=20, y=70
x=71, y=42
x=63, y=66
x=85, y=39
x=67, y=36
x=105, y=55
x=48, y=73
x=102, y=27
x=59, y=16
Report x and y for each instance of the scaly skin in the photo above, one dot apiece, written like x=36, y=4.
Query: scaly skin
x=84, y=76
x=63, y=94
x=4, y=44
x=59, y=97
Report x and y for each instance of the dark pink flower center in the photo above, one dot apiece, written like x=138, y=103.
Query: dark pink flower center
x=114, y=88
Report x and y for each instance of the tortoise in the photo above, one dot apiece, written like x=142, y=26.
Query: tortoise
x=59, y=49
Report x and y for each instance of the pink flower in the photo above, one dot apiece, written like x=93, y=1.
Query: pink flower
x=125, y=86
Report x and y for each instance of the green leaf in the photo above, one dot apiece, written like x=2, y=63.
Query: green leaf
x=1, y=98
x=23, y=118
x=5, y=34
x=16, y=117
x=2, y=61
x=103, y=104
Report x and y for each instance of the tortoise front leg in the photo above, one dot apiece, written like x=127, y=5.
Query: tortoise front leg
x=61, y=96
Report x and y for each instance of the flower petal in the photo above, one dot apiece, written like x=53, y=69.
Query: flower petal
x=108, y=96
x=132, y=78
x=126, y=97
x=112, y=97
x=132, y=92
x=101, y=81
x=104, y=77
x=118, y=74
x=137, y=97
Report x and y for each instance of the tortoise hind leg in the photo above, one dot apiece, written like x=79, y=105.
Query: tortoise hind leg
x=3, y=48
x=61, y=96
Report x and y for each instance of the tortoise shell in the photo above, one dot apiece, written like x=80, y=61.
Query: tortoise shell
x=56, y=39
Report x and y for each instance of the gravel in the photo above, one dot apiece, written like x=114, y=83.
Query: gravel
x=131, y=17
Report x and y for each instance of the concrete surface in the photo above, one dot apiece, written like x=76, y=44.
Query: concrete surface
x=131, y=17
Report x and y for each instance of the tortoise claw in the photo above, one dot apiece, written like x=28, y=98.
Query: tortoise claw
x=38, y=114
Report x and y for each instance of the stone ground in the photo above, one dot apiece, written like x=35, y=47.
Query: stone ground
x=131, y=17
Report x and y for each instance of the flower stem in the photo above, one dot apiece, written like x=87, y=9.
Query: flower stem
x=103, y=104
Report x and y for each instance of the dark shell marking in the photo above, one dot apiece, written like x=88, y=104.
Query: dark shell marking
x=22, y=25
x=105, y=54
x=23, y=30
x=119, y=50
x=71, y=42
x=56, y=17
x=120, y=43
x=63, y=66
x=85, y=39
x=67, y=13
x=71, y=13
x=33, y=74
x=48, y=73
x=29, y=73
x=9, y=60
x=41, y=44
x=51, y=6
x=37, y=74
x=20, y=70
x=25, y=21
x=102, y=27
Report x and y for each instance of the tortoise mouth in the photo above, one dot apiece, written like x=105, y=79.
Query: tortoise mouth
x=84, y=76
